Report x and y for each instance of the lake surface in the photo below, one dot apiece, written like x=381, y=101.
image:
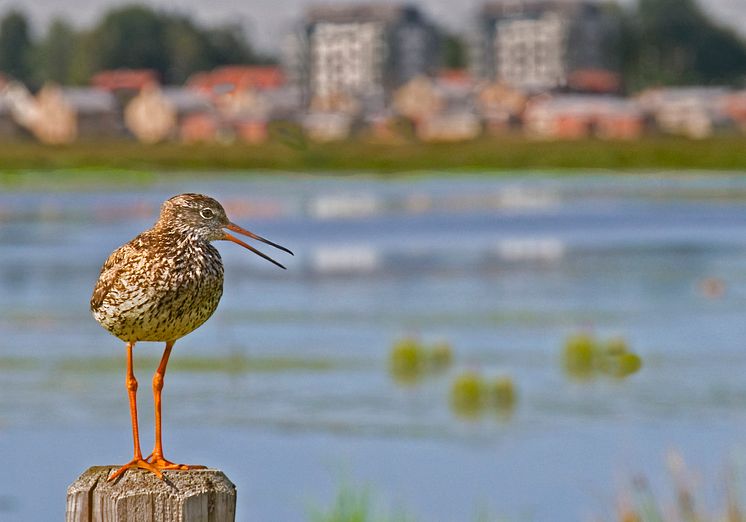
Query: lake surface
x=287, y=387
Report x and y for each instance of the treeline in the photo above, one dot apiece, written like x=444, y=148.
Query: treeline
x=673, y=42
x=661, y=42
x=133, y=36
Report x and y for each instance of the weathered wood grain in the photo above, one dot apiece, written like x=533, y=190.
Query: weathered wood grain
x=201, y=495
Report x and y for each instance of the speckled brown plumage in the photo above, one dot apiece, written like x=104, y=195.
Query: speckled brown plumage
x=162, y=285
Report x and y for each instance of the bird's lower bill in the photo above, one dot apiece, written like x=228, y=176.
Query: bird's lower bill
x=236, y=228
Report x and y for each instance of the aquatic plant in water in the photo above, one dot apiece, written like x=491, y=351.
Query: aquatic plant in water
x=468, y=394
x=501, y=393
x=353, y=504
x=585, y=357
x=410, y=360
x=472, y=395
x=639, y=503
x=440, y=355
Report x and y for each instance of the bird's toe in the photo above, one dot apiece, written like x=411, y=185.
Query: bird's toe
x=137, y=464
x=163, y=464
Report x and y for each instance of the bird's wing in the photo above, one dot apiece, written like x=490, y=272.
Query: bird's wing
x=110, y=272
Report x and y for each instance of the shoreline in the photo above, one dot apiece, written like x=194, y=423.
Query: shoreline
x=488, y=156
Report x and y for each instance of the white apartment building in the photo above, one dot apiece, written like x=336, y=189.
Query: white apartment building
x=361, y=51
x=536, y=45
x=347, y=58
x=530, y=53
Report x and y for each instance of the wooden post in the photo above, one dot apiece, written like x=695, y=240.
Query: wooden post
x=199, y=495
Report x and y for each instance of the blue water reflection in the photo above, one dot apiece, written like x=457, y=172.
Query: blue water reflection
x=503, y=268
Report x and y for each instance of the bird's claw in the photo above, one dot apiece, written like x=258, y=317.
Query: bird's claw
x=134, y=464
x=161, y=464
x=155, y=465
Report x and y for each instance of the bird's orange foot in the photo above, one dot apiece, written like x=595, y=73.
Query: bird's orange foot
x=160, y=463
x=135, y=464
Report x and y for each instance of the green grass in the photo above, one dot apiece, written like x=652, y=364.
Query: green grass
x=88, y=159
x=231, y=364
x=353, y=504
x=13, y=363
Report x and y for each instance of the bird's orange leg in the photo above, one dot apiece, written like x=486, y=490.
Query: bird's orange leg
x=137, y=461
x=156, y=458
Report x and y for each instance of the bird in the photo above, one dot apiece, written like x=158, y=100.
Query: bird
x=159, y=287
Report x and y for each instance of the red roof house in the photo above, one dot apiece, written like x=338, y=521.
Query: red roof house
x=237, y=78
x=124, y=79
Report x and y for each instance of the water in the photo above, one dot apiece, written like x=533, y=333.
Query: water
x=286, y=388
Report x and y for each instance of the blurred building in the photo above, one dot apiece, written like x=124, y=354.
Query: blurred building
x=124, y=84
x=360, y=51
x=96, y=112
x=130, y=81
x=17, y=108
x=9, y=127
x=418, y=99
x=59, y=115
x=579, y=116
x=327, y=126
x=694, y=112
x=246, y=99
x=158, y=114
x=734, y=106
x=539, y=45
x=237, y=78
x=449, y=127
x=500, y=107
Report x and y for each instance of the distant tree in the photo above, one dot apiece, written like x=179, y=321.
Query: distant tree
x=130, y=37
x=227, y=44
x=673, y=42
x=453, y=49
x=721, y=56
x=133, y=36
x=136, y=36
x=53, y=56
x=84, y=60
x=15, y=46
x=187, y=47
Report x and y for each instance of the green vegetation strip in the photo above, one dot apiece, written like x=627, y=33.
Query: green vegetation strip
x=513, y=317
x=487, y=154
x=356, y=503
x=235, y=364
x=12, y=363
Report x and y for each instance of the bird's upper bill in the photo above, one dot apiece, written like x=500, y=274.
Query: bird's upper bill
x=236, y=228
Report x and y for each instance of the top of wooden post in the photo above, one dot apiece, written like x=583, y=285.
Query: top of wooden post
x=204, y=495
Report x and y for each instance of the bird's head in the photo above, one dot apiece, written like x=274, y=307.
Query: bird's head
x=203, y=218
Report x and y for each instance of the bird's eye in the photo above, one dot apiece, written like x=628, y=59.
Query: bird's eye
x=206, y=213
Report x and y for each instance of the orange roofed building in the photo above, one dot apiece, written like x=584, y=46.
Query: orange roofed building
x=460, y=77
x=599, y=81
x=124, y=79
x=232, y=78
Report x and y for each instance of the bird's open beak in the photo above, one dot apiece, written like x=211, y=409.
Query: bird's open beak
x=236, y=228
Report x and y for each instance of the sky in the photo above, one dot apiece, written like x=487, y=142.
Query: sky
x=266, y=21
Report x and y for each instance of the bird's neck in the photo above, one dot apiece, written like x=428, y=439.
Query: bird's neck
x=179, y=239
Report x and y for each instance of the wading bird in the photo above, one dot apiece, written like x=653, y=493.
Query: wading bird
x=159, y=287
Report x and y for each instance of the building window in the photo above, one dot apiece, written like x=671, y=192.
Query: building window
x=529, y=53
x=348, y=61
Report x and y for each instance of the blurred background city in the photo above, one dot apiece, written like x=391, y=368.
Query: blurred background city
x=520, y=233
x=378, y=72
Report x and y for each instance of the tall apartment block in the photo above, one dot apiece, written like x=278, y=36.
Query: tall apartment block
x=363, y=51
x=538, y=45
